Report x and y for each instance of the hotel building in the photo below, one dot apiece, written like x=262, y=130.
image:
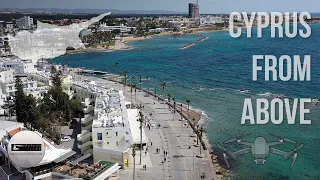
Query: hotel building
x=108, y=128
x=25, y=22
x=194, y=10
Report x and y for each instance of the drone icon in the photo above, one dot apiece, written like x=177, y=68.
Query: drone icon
x=260, y=149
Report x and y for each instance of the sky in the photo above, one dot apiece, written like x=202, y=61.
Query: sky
x=206, y=6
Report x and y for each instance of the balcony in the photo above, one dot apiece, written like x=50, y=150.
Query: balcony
x=88, y=119
x=83, y=146
x=85, y=136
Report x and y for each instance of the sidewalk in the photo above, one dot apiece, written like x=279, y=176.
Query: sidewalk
x=172, y=136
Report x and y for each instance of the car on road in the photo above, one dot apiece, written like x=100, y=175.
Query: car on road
x=66, y=139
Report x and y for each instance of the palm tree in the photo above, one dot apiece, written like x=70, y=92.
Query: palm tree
x=169, y=99
x=181, y=120
x=125, y=80
x=147, y=79
x=141, y=122
x=132, y=80
x=200, y=133
x=140, y=82
x=197, y=132
x=163, y=87
x=188, y=103
x=135, y=92
x=194, y=122
x=116, y=63
x=181, y=111
x=174, y=107
x=131, y=86
x=134, y=159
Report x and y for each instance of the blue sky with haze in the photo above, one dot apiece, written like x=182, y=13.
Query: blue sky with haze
x=206, y=6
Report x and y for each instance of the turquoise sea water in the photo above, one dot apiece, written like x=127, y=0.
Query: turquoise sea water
x=211, y=74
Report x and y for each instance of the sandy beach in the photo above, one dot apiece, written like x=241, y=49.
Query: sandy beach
x=122, y=44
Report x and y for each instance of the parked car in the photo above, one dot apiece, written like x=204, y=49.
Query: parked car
x=66, y=139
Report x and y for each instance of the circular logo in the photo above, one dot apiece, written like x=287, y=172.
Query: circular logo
x=26, y=149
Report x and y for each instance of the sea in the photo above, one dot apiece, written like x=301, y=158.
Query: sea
x=216, y=75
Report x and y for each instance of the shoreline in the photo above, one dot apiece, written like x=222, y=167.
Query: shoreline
x=215, y=164
x=124, y=46
x=100, y=49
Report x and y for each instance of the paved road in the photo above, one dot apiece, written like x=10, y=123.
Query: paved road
x=172, y=136
x=73, y=143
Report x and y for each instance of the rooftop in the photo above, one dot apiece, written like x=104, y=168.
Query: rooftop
x=52, y=153
x=44, y=74
x=84, y=170
x=89, y=86
x=106, y=121
x=41, y=89
x=110, y=101
x=13, y=132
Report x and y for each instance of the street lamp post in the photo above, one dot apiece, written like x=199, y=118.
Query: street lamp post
x=181, y=120
x=134, y=161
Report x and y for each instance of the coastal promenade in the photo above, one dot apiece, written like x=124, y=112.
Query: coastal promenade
x=173, y=136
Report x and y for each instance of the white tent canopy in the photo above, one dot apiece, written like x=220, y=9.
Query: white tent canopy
x=133, y=116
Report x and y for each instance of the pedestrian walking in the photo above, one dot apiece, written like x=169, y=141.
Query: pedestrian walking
x=164, y=153
x=145, y=153
x=165, y=159
x=151, y=143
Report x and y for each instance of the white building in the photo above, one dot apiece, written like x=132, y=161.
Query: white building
x=210, y=20
x=3, y=40
x=86, y=92
x=122, y=29
x=7, y=83
x=9, y=25
x=175, y=25
x=51, y=165
x=106, y=132
x=44, y=78
x=158, y=30
x=108, y=128
x=7, y=126
x=6, y=75
x=20, y=67
x=37, y=92
x=25, y=22
x=52, y=156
